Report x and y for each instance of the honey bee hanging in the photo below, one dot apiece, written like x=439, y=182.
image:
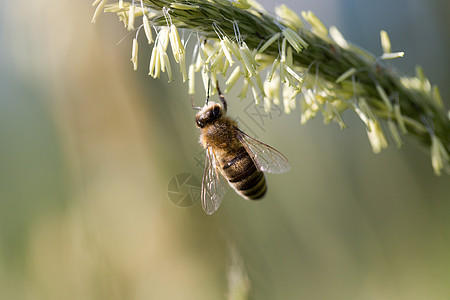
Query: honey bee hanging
x=239, y=158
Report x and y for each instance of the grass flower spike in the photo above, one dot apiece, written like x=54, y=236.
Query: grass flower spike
x=296, y=59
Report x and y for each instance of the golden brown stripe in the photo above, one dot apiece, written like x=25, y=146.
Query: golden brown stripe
x=240, y=154
x=241, y=172
x=239, y=167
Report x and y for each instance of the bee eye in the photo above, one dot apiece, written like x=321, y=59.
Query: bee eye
x=216, y=111
x=200, y=123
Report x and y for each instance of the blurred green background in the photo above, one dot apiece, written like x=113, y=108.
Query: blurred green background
x=88, y=147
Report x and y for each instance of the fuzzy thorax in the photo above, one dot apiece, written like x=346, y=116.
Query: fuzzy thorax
x=221, y=134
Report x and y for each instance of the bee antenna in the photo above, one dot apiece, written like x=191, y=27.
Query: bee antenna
x=193, y=106
x=209, y=85
x=221, y=97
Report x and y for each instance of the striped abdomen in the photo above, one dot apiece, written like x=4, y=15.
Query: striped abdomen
x=242, y=174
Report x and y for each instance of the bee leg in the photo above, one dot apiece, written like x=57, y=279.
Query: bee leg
x=221, y=97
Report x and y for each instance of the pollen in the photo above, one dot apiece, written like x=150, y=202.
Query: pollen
x=131, y=16
x=385, y=42
x=316, y=24
x=226, y=50
x=294, y=39
x=147, y=29
x=346, y=75
x=175, y=43
x=100, y=5
x=165, y=65
x=338, y=38
x=394, y=55
x=289, y=16
x=134, y=54
x=248, y=60
x=272, y=89
x=231, y=81
x=395, y=134
x=439, y=155
x=182, y=63
x=153, y=59
x=272, y=69
x=376, y=136
x=293, y=74
x=244, y=88
x=255, y=93
x=269, y=42
x=288, y=101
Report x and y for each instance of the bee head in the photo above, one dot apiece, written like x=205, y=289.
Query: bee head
x=208, y=114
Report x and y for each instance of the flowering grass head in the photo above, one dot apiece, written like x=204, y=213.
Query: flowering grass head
x=289, y=59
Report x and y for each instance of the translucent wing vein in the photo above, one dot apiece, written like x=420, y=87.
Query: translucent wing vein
x=266, y=158
x=213, y=186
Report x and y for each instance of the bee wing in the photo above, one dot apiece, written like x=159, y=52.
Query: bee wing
x=213, y=188
x=266, y=158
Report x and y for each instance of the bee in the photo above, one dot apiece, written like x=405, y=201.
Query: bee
x=238, y=158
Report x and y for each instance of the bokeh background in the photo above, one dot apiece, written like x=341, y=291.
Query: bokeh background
x=88, y=147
